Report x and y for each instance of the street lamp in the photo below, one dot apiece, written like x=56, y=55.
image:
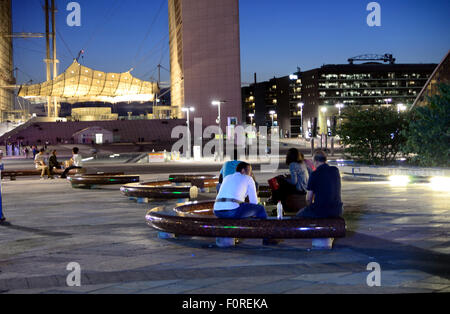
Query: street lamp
x=218, y=103
x=272, y=114
x=401, y=107
x=251, y=115
x=340, y=107
x=301, y=105
x=188, y=110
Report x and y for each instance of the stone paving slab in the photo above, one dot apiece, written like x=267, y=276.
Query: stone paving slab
x=405, y=230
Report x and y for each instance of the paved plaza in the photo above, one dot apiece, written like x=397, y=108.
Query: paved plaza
x=406, y=230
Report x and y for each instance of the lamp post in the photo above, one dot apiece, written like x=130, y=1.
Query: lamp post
x=272, y=114
x=400, y=108
x=218, y=103
x=340, y=107
x=301, y=105
x=188, y=110
x=251, y=115
x=324, y=110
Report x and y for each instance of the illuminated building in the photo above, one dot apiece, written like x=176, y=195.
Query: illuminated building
x=365, y=84
x=326, y=91
x=6, y=61
x=279, y=95
x=82, y=84
x=205, y=58
x=93, y=114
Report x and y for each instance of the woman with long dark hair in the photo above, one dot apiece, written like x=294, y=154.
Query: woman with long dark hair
x=296, y=182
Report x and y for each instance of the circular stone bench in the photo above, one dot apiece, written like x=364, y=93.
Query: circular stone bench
x=187, y=178
x=13, y=174
x=205, y=183
x=197, y=219
x=158, y=190
x=92, y=180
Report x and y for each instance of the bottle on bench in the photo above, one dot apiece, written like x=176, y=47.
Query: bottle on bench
x=280, y=211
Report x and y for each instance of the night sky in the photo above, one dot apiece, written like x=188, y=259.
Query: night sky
x=276, y=36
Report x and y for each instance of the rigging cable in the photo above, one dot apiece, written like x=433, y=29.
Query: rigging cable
x=65, y=44
x=151, y=51
x=109, y=15
x=149, y=30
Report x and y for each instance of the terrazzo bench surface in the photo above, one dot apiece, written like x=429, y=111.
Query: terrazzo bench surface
x=12, y=174
x=101, y=179
x=197, y=219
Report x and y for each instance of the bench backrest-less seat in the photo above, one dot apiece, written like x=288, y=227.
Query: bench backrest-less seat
x=196, y=219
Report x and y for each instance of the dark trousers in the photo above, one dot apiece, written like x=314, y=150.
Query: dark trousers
x=314, y=213
x=66, y=172
x=54, y=166
x=285, y=190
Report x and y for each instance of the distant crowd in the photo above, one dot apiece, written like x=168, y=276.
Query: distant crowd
x=18, y=149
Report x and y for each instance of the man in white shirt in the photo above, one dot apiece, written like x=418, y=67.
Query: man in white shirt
x=39, y=161
x=230, y=202
x=75, y=163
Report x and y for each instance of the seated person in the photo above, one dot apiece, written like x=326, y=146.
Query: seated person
x=53, y=162
x=324, y=191
x=228, y=168
x=309, y=164
x=39, y=161
x=235, y=188
x=76, y=162
x=297, y=181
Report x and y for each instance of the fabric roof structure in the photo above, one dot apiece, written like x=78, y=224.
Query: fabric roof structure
x=82, y=84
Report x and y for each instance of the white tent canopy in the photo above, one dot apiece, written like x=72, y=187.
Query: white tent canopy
x=82, y=84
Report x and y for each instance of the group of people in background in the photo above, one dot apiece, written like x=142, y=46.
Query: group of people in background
x=318, y=182
x=76, y=162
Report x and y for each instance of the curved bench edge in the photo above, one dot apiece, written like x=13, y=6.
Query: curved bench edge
x=247, y=228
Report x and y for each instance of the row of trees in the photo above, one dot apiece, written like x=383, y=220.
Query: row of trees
x=379, y=135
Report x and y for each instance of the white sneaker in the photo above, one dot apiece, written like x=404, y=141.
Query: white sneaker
x=42, y=179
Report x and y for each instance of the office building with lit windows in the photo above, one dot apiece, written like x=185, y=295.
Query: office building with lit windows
x=329, y=87
x=205, y=59
x=272, y=103
x=324, y=92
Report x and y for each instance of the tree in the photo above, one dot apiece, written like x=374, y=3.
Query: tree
x=372, y=135
x=428, y=134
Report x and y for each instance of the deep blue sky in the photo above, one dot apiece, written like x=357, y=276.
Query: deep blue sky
x=276, y=36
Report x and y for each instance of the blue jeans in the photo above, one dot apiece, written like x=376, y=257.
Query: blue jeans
x=245, y=210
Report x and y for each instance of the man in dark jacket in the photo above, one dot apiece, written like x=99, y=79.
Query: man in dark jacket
x=53, y=162
x=323, y=190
